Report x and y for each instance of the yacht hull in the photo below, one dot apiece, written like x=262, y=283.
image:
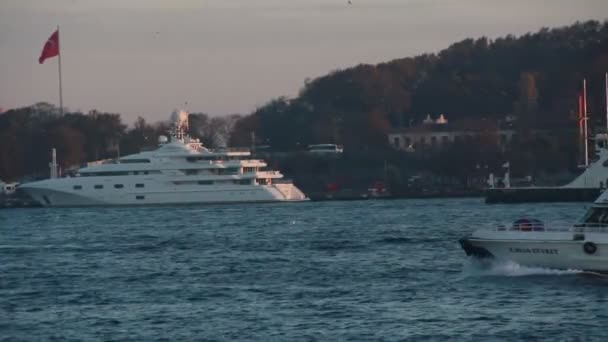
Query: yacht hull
x=557, y=254
x=61, y=197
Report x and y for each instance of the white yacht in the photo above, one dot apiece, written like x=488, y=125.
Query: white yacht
x=583, y=246
x=180, y=171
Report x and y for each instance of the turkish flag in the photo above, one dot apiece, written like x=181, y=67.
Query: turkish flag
x=51, y=47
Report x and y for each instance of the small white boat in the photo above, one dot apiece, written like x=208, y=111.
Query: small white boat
x=529, y=242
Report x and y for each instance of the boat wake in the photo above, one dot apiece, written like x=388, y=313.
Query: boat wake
x=480, y=268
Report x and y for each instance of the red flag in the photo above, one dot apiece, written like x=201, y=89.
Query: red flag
x=51, y=47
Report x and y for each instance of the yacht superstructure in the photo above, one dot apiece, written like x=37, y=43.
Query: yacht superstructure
x=180, y=171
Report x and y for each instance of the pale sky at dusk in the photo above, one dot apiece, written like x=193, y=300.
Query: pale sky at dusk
x=146, y=57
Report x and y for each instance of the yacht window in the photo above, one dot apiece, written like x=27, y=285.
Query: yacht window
x=77, y=187
x=190, y=172
x=140, y=197
x=134, y=161
x=205, y=182
x=118, y=186
x=145, y=172
x=139, y=185
x=98, y=186
x=242, y=181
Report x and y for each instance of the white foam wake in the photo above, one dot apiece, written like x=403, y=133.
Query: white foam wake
x=509, y=269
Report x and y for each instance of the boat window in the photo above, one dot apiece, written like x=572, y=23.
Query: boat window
x=190, y=172
x=227, y=171
x=139, y=185
x=98, y=186
x=118, y=186
x=134, y=161
x=77, y=187
x=140, y=197
x=205, y=182
x=242, y=181
x=596, y=216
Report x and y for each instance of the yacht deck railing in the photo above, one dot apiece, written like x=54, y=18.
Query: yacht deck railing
x=541, y=227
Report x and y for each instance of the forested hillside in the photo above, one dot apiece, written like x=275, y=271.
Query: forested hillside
x=536, y=76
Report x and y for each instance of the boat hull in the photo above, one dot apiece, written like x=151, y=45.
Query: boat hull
x=549, y=194
x=58, y=194
x=557, y=254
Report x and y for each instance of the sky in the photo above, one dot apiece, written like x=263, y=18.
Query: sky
x=148, y=57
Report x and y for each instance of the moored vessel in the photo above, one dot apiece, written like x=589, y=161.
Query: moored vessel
x=585, y=188
x=180, y=171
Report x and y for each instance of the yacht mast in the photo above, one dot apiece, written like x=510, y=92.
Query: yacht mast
x=585, y=122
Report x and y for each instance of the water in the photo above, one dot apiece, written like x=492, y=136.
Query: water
x=366, y=270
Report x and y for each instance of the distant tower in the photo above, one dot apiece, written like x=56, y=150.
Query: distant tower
x=428, y=120
x=441, y=120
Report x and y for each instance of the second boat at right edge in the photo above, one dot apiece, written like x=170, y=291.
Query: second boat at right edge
x=584, y=188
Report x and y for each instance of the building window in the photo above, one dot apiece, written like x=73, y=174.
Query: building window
x=77, y=187
x=139, y=185
x=118, y=186
x=503, y=139
x=444, y=139
x=422, y=140
x=433, y=140
x=396, y=141
x=98, y=186
x=408, y=141
x=140, y=197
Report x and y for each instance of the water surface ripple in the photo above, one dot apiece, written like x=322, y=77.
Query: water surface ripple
x=366, y=270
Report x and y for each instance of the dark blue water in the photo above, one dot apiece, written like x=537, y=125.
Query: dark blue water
x=367, y=270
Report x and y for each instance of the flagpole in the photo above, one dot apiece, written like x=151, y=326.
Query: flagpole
x=607, y=102
x=59, y=66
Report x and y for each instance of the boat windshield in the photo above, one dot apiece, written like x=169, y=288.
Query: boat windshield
x=596, y=216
